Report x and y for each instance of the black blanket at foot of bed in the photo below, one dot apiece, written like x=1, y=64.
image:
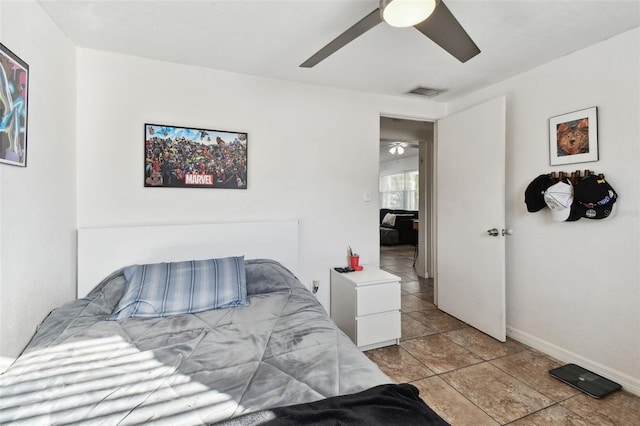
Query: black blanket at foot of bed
x=380, y=405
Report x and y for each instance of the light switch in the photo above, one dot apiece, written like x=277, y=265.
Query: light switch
x=366, y=196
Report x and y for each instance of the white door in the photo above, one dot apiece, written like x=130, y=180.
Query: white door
x=470, y=177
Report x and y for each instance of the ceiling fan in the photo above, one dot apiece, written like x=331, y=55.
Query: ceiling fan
x=431, y=17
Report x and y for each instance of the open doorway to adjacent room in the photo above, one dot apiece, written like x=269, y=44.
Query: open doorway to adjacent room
x=406, y=194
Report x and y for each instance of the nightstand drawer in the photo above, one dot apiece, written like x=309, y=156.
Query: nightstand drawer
x=377, y=298
x=378, y=328
x=366, y=306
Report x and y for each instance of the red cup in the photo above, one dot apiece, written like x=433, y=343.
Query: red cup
x=354, y=261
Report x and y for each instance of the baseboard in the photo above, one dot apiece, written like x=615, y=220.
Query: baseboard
x=5, y=362
x=628, y=383
x=422, y=273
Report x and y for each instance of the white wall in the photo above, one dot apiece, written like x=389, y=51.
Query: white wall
x=573, y=288
x=312, y=153
x=38, y=203
x=400, y=165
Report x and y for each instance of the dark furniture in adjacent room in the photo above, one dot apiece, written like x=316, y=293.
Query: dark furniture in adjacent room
x=398, y=228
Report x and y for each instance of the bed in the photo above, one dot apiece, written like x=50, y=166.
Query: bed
x=268, y=356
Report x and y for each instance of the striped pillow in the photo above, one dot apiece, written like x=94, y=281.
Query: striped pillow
x=164, y=289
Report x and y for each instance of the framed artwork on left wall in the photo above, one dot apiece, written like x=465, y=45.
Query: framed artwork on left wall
x=14, y=87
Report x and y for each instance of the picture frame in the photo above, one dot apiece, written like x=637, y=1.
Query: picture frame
x=573, y=137
x=191, y=157
x=14, y=94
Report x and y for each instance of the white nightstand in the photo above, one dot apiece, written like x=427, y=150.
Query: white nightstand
x=366, y=306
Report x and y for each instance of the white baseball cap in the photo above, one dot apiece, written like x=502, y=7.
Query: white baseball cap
x=559, y=198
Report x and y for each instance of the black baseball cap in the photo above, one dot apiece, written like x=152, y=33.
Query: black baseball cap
x=593, y=198
x=534, y=194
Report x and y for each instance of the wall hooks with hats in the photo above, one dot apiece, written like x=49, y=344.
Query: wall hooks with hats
x=574, y=177
x=572, y=196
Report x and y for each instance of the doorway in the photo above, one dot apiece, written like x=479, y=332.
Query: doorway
x=407, y=156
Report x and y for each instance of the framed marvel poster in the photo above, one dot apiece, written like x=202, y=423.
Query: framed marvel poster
x=14, y=85
x=187, y=157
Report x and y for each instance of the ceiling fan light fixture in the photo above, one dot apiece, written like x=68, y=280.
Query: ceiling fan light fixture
x=406, y=13
x=397, y=150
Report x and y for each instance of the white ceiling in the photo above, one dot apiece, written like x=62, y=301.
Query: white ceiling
x=272, y=38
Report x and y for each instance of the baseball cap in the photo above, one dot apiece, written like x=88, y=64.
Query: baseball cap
x=559, y=198
x=534, y=194
x=594, y=198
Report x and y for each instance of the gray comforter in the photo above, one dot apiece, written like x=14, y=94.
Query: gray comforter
x=186, y=369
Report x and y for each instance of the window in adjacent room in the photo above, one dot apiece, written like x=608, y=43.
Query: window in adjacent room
x=399, y=191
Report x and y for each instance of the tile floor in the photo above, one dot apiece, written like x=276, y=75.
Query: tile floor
x=469, y=378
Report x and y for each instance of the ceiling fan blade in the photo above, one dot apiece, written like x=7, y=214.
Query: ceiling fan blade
x=445, y=30
x=361, y=27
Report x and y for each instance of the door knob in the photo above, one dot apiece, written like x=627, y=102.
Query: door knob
x=493, y=232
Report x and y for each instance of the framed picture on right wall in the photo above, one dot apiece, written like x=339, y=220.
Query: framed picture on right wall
x=573, y=137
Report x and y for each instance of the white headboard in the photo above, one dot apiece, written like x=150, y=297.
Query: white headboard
x=101, y=251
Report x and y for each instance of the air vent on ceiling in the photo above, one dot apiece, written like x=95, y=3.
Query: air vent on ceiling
x=425, y=91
